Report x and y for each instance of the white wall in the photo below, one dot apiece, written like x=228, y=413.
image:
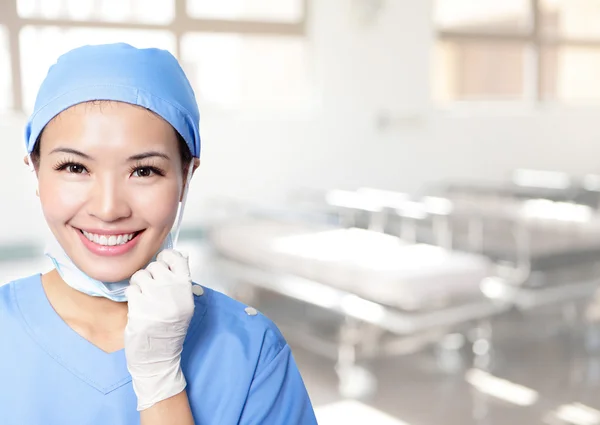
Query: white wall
x=20, y=215
x=361, y=70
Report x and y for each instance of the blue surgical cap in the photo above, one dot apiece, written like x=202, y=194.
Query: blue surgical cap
x=151, y=78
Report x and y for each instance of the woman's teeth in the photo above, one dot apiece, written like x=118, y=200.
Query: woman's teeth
x=108, y=240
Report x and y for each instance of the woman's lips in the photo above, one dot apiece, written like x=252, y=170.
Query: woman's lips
x=109, y=250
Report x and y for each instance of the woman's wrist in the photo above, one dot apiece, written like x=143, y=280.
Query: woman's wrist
x=173, y=410
x=151, y=389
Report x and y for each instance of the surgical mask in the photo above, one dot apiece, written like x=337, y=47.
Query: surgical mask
x=115, y=291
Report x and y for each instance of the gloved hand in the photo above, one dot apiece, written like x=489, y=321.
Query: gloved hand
x=161, y=305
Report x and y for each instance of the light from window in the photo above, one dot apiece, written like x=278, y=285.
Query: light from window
x=146, y=11
x=250, y=10
x=570, y=74
x=240, y=71
x=483, y=15
x=570, y=18
x=41, y=46
x=479, y=70
x=6, y=99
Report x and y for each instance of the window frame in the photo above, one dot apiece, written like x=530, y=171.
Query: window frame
x=182, y=23
x=534, y=40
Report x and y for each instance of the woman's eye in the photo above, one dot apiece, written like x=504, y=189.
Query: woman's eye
x=143, y=172
x=75, y=168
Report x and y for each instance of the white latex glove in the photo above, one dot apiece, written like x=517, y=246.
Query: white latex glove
x=161, y=305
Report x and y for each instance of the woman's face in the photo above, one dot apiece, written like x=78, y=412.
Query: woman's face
x=110, y=180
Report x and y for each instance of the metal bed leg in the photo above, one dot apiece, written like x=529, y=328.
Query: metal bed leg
x=354, y=381
x=408, y=230
x=347, y=219
x=476, y=234
x=378, y=221
x=448, y=353
x=482, y=345
x=482, y=360
x=443, y=232
x=481, y=409
x=523, y=249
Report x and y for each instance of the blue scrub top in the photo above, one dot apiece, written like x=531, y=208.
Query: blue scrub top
x=238, y=367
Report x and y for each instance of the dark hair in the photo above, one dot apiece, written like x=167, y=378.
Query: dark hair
x=184, y=152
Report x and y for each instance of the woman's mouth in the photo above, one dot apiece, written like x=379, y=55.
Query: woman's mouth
x=109, y=244
x=109, y=240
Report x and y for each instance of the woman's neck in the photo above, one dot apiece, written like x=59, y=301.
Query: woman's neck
x=99, y=320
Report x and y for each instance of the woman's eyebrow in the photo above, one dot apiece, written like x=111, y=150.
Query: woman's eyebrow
x=149, y=154
x=72, y=151
x=137, y=157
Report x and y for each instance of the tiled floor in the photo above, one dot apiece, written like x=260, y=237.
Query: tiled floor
x=541, y=353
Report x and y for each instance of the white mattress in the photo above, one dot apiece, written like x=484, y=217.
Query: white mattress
x=372, y=265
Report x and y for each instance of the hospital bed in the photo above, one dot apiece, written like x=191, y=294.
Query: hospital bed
x=535, y=228
x=546, y=234
x=540, y=246
x=555, y=215
x=391, y=297
x=410, y=270
x=533, y=184
x=523, y=184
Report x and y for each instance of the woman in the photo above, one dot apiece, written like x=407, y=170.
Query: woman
x=118, y=327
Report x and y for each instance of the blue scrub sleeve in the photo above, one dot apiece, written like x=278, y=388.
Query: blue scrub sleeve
x=278, y=396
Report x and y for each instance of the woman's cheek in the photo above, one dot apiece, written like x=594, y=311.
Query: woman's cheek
x=157, y=204
x=61, y=198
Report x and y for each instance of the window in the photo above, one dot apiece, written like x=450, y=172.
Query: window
x=506, y=16
x=253, y=10
x=571, y=74
x=517, y=50
x=480, y=70
x=237, y=53
x=247, y=70
x=143, y=11
x=575, y=19
x=5, y=71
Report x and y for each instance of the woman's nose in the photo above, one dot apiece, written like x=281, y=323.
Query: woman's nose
x=108, y=201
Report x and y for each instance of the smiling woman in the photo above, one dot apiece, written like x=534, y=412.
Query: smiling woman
x=109, y=169
x=118, y=327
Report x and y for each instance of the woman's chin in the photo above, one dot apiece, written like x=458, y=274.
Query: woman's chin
x=110, y=274
x=111, y=269
x=110, y=277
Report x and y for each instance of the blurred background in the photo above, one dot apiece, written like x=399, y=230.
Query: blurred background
x=410, y=189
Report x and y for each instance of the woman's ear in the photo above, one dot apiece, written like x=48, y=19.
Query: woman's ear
x=27, y=161
x=196, y=164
